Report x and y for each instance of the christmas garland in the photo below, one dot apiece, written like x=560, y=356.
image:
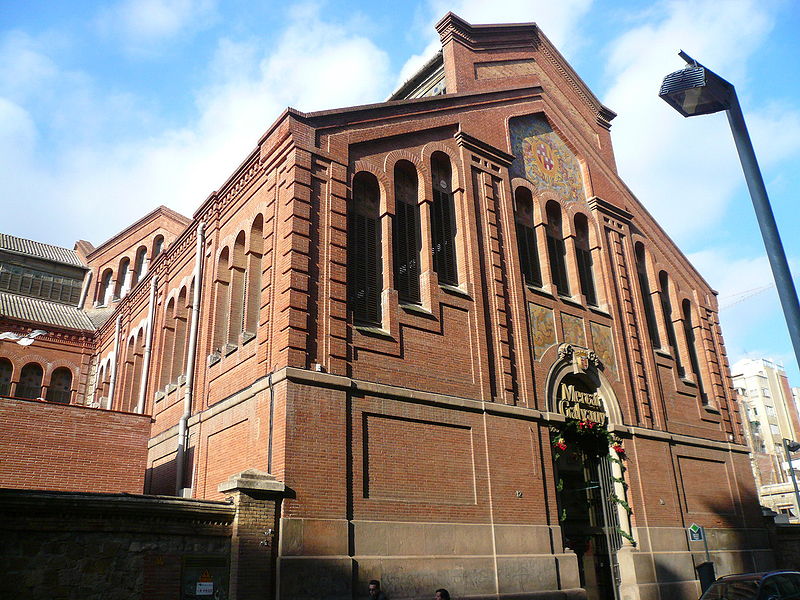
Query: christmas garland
x=591, y=441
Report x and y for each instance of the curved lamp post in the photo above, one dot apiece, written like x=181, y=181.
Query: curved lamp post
x=696, y=90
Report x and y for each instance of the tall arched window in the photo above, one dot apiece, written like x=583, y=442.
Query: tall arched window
x=60, y=388
x=647, y=298
x=364, y=249
x=443, y=222
x=122, y=274
x=6, y=371
x=139, y=265
x=238, y=291
x=254, y=271
x=30, y=381
x=556, y=249
x=691, y=344
x=167, y=345
x=179, y=349
x=221, y=302
x=405, y=232
x=666, y=308
x=526, y=237
x=158, y=246
x=583, y=254
x=103, y=290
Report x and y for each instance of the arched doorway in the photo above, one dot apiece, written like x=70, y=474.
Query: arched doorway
x=588, y=479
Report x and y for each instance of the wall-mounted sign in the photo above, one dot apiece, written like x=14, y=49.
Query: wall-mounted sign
x=576, y=403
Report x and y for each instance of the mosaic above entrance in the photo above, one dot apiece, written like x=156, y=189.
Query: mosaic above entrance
x=544, y=159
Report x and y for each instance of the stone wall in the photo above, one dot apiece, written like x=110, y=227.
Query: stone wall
x=63, y=546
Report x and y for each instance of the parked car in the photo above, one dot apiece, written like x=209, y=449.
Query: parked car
x=774, y=585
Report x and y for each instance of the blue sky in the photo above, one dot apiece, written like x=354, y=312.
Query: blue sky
x=108, y=109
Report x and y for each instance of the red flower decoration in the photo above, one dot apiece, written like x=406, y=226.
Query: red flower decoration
x=561, y=445
x=618, y=449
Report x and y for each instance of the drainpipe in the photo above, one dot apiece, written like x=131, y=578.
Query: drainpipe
x=87, y=280
x=148, y=345
x=183, y=430
x=113, y=385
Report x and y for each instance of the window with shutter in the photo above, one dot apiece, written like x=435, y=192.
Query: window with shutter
x=364, y=250
x=556, y=249
x=647, y=298
x=406, y=233
x=584, y=259
x=691, y=343
x=443, y=220
x=526, y=237
x=666, y=308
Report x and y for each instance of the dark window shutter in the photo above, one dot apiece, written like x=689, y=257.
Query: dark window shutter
x=649, y=311
x=585, y=273
x=406, y=263
x=556, y=251
x=444, y=255
x=363, y=267
x=528, y=255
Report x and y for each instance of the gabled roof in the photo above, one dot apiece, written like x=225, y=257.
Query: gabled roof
x=44, y=312
x=26, y=247
x=161, y=210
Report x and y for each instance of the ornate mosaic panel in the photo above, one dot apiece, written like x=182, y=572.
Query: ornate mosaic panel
x=543, y=328
x=603, y=345
x=573, y=330
x=544, y=159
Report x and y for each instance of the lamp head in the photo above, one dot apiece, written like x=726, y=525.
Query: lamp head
x=695, y=90
x=791, y=445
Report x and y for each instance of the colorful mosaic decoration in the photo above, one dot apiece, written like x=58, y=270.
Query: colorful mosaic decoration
x=544, y=159
x=573, y=330
x=603, y=345
x=543, y=328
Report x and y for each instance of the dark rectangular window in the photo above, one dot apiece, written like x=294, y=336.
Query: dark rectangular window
x=444, y=249
x=363, y=267
x=406, y=253
x=529, y=255
x=585, y=274
x=557, y=252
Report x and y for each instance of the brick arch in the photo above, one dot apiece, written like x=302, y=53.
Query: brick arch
x=256, y=225
x=383, y=182
x=423, y=173
x=431, y=148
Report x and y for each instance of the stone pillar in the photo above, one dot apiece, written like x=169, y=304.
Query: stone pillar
x=256, y=496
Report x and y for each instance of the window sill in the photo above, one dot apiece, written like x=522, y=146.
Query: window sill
x=417, y=310
x=571, y=301
x=247, y=336
x=540, y=291
x=663, y=352
x=455, y=290
x=600, y=310
x=373, y=330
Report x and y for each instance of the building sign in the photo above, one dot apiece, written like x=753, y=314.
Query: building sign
x=581, y=405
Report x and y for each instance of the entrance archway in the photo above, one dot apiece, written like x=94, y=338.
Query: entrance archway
x=588, y=480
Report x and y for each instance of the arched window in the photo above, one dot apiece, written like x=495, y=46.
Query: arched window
x=443, y=223
x=221, y=302
x=238, y=291
x=60, y=388
x=583, y=254
x=526, y=237
x=405, y=232
x=556, y=249
x=666, y=308
x=6, y=371
x=122, y=274
x=364, y=249
x=167, y=345
x=103, y=290
x=647, y=298
x=254, y=271
x=30, y=381
x=178, y=353
x=139, y=265
x=158, y=246
x=691, y=345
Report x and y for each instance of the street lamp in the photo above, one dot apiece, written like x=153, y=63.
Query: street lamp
x=791, y=446
x=696, y=90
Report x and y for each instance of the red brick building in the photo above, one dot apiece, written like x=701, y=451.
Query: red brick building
x=397, y=310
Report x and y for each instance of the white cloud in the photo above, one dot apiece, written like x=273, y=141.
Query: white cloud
x=93, y=185
x=140, y=23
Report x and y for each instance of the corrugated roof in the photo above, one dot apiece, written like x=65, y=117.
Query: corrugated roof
x=34, y=310
x=40, y=250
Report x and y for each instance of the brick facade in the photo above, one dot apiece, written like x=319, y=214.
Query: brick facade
x=416, y=446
